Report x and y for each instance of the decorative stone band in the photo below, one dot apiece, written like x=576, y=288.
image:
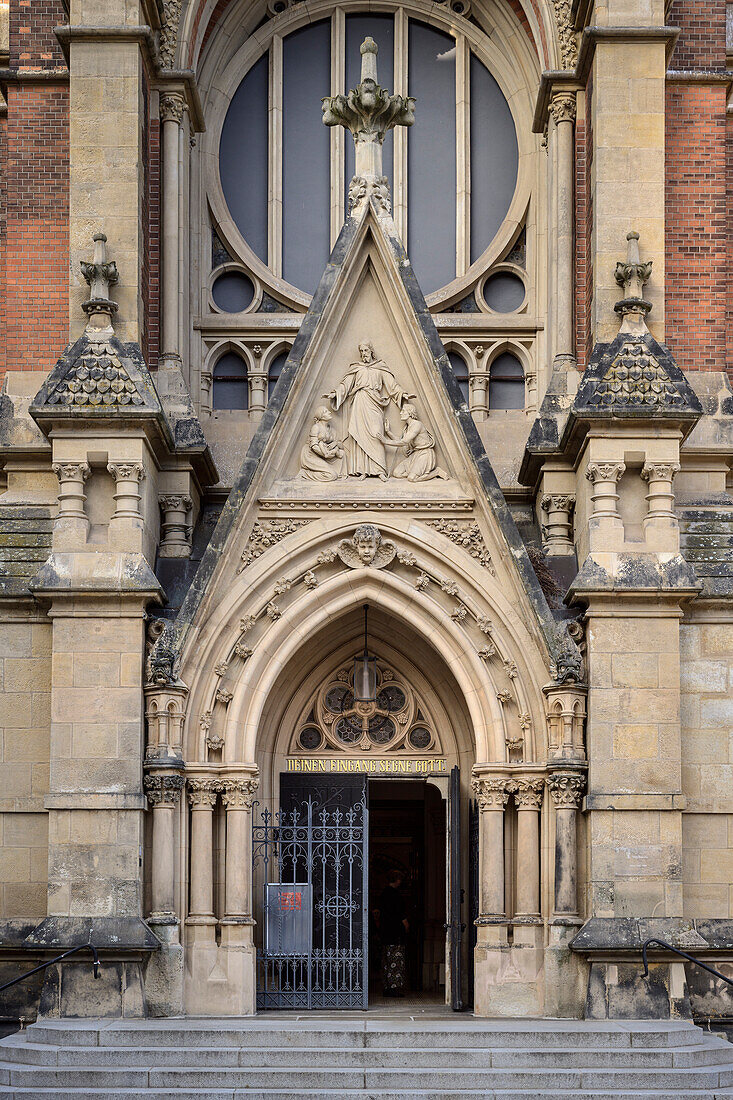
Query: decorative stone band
x=172, y=106
x=236, y=792
x=566, y=789
x=163, y=790
x=563, y=108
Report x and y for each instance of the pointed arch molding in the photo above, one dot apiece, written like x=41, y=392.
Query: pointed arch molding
x=264, y=621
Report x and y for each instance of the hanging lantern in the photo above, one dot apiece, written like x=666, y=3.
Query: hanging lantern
x=365, y=671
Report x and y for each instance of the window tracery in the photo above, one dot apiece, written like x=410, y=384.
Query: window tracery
x=395, y=722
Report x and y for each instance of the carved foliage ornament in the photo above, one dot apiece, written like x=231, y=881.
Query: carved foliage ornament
x=170, y=15
x=266, y=533
x=563, y=108
x=164, y=659
x=568, y=666
x=163, y=790
x=368, y=111
x=566, y=789
x=468, y=535
x=566, y=33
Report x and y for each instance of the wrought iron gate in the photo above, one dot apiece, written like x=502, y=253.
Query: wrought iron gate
x=311, y=860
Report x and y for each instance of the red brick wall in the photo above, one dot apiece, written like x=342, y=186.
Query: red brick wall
x=583, y=230
x=696, y=225
x=36, y=204
x=701, y=44
x=3, y=238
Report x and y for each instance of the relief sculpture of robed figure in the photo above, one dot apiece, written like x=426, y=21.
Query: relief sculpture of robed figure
x=366, y=390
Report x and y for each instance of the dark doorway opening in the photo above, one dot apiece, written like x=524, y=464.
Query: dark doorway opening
x=407, y=833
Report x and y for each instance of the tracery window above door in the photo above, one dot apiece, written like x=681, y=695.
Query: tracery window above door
x=282, y=172
x=333, y=720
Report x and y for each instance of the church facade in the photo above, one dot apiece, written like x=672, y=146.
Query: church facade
x=366, y=437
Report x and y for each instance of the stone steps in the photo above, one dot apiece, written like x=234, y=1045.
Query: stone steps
x=296, y=1058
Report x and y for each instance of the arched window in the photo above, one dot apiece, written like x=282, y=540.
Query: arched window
x=230, y=386
x=460, y=370
x=506, y=383
x=274, y=372
x=461, y=154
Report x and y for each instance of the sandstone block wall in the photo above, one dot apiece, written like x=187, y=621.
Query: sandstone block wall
x=25, y=671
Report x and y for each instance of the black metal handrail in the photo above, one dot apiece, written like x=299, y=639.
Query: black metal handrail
x=43, y=966
x=685, y=955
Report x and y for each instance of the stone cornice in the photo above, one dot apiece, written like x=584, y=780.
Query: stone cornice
x=552, y=82
x=170, y=80
x=593, y=35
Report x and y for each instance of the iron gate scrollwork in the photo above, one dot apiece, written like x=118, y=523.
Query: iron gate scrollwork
x=311, y=860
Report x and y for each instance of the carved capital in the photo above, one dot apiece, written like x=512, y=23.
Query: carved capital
x=175, y=502
x=660, y=471
x=172, y=106
x=163, y=790
x=126, y=471
x=605, y=471
x=566, y=789
x=558, y=502
x=493, y=793
x=239, y=794
x=528, y=793
x=71, y=471
x=563, y=108
x=203, y=792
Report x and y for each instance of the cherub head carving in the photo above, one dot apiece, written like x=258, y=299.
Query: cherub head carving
x=366, y=548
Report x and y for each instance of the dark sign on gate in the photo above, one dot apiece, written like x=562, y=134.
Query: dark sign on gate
x=288, y=914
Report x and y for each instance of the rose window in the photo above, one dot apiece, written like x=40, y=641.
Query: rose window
x=335, y=720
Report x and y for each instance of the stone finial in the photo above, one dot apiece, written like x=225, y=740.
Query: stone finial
x=369, y=112
x=100, y=274
x=632, y=276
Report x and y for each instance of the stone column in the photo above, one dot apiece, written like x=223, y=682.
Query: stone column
x=257, y=382
x=237, y=796
x=492, y=795
x=563, y=109
x=660, y=498
x=528, y=799
x=175, y=540
x=172, y=106
x=559, y=527
x=566, y=791
x=164, y=793
x=604, y=476
x=202, y=798
x=479, y=381
x=72, y=521
x=127, y=516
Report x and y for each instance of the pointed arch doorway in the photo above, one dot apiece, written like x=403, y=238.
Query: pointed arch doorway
x=357, y=794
